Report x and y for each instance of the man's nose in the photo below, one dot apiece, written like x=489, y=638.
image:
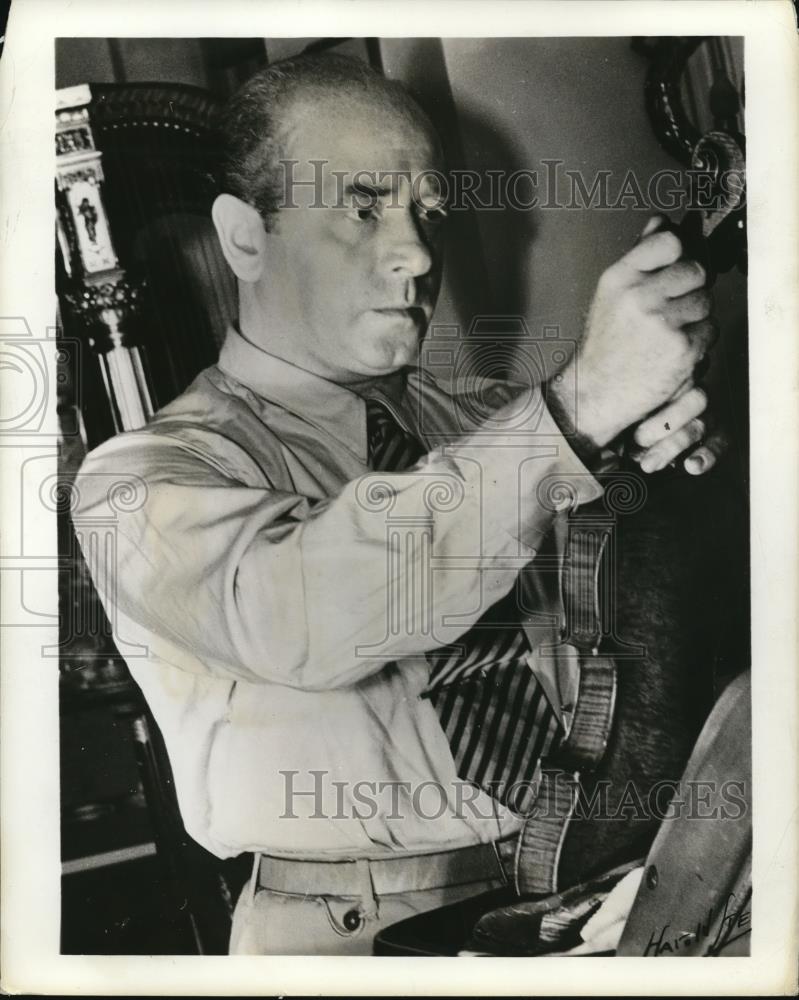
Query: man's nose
x=406, y=254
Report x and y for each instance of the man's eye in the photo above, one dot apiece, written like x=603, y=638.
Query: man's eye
x=364, y=212
x=435, y=214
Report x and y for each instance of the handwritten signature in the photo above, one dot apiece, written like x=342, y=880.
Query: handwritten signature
x=725, y=923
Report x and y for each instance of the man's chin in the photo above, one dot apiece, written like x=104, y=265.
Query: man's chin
x=399, y=356
x=391, y=354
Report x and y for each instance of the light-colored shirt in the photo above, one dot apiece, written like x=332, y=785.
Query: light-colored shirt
x=274, y=599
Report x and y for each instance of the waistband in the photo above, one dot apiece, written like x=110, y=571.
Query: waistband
x=492, y=862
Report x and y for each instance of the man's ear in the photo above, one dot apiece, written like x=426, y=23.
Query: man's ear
x=242, y=235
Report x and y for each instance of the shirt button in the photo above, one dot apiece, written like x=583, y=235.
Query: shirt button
x=352, y=920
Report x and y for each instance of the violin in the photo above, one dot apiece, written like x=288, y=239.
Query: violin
x=713, y=229
x=559, y=844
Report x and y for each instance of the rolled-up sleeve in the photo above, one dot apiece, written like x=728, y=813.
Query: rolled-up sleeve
x=261, y=584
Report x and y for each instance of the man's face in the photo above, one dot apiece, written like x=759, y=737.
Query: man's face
x=361, y=271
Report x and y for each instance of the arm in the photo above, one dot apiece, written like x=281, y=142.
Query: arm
x=259, y=585
x=266, y=585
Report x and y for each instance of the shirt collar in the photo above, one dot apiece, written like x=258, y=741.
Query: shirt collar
x=331, y=407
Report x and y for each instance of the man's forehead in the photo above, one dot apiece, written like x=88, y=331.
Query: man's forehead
x=361, y=134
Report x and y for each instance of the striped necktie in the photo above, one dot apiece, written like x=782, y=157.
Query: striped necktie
x=496, y=716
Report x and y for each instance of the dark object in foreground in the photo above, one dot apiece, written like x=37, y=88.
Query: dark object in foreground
x=694, y=897
x=535, y=927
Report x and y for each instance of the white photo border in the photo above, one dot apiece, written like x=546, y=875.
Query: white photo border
x=29, y=787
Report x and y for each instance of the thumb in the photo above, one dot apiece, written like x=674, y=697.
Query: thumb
x=653, y=224
x=655, y=249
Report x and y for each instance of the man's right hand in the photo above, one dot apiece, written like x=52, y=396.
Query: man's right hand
x=647, y=328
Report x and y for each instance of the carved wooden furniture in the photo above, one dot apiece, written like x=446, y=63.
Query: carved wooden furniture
x=144, y=296
x=144, y=284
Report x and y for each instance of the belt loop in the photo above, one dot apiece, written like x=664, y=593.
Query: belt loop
x=255, y=877
x=500, y=863
x=369, y=900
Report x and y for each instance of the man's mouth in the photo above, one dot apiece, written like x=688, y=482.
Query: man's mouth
x=415, y=314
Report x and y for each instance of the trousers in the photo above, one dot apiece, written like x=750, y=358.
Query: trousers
x=267, y=921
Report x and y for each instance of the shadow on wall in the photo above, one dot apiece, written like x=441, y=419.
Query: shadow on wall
x=512, y=240
x=506, y=234
x=522, y=103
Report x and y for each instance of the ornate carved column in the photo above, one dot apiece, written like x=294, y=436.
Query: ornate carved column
x=102, y=296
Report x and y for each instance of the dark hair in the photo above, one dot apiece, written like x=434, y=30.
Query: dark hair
x=254, y=126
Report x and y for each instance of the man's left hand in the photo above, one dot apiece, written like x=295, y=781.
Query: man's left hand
x=680, y=428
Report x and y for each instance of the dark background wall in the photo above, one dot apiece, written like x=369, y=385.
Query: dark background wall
x=216, y=63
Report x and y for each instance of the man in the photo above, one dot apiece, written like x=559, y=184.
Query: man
x=368, y=767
